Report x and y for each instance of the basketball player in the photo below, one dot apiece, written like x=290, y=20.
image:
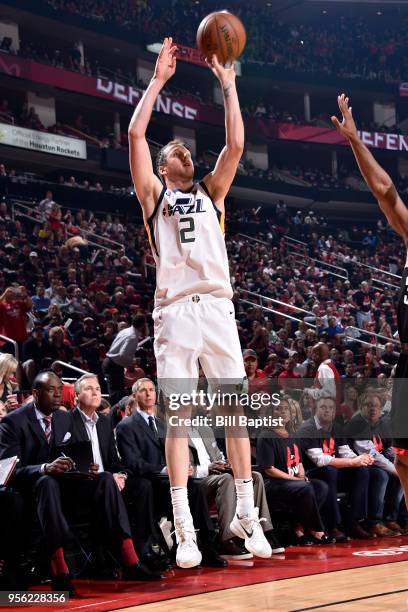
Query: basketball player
x=193, y=317
x=382, y=187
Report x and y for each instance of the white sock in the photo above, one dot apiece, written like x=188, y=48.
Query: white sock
x=245, y=496
x=179, y=499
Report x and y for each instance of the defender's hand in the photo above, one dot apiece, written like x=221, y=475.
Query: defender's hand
x=347, y=127
x=166, y=62
x=226, y=76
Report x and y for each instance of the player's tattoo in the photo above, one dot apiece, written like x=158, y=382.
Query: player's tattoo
x=226, y=91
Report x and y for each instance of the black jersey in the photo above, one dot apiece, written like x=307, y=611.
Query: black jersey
x=402, y=310
x=399, y=410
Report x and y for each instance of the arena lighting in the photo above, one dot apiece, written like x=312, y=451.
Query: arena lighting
x=156, y=47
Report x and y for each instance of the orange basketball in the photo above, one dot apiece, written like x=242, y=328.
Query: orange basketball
x=221, y=33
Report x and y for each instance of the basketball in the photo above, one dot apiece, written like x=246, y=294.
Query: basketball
x=75, y=241
x=221, y=33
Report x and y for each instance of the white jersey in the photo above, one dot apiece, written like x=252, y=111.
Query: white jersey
x=186, y=233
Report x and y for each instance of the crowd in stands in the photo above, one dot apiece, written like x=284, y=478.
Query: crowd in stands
x=346, y=47
x=71, y=60
x=74, y=303
x=63, y=300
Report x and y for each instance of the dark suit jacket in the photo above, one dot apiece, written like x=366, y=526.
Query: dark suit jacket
x=107, y=444
x=141, y=451
x=21, y=434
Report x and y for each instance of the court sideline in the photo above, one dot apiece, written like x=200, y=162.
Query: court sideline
x=381, y=587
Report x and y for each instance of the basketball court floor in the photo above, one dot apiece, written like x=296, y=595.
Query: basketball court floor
x=358, y=575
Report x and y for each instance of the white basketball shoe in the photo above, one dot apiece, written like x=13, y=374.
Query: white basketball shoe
x=248, y=527
x=187, y=554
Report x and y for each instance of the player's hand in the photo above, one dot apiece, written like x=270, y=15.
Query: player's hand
x=347, y=127
x=226, y=76
x=166, y=62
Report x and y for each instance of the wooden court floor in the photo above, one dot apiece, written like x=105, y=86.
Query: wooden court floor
x=378, y=588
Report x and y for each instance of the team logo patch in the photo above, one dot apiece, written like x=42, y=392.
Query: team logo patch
x=186, y=205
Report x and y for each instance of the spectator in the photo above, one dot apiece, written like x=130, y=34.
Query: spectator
x=330, y=458
x=8, y=386
x=14, y=306
x=67, y=390
x=46, y=205
x=280, y=457
x=218, y=485
x=35, y=477
x=35, y=349
x=370, y=434
x=40, y=301
x=140, y=439
x=327, y=380
x=389, y=357
x=136, y=492
x=334, y=330
x=288, y=379
x=59, y=346
x=133, y=373
x=120, y=356
x=363, y=300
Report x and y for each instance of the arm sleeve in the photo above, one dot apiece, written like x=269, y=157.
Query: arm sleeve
x=10, y=446
x=318, y=457
x=345, y=452
x=265, y=454
x=201, y=471
x=327, y=383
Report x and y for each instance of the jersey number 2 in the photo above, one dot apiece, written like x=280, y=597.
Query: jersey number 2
x=190, y=227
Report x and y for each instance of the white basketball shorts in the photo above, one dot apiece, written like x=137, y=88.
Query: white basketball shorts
x=199, y=327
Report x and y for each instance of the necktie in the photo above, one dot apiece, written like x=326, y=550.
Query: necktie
x=153, y=426
x=47, y=431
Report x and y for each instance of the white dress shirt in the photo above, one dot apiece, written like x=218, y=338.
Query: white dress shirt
x=146, y=417
x=40, y=417
x=203, y=456
x=320, y=459
x=90, y=426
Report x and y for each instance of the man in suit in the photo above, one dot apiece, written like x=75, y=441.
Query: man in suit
x=32, y=433
x=137, y=492
x=140, y=440
x=217, y=482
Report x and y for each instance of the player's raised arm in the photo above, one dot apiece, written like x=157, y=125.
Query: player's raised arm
x=147, y=184
x=219, y=180
x=377, y=179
